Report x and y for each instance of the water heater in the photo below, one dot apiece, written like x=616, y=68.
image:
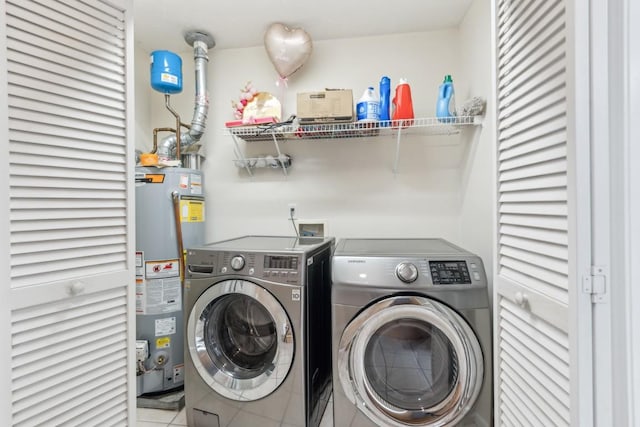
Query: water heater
x=160, y=192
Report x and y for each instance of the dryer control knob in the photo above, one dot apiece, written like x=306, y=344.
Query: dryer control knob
x=237, y=262
x=407, y=272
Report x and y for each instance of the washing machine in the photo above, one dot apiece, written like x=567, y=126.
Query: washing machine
x=258, y=332
x=411, y=335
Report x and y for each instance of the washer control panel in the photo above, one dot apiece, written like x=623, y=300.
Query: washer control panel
x=449, y=273
x=281, y=268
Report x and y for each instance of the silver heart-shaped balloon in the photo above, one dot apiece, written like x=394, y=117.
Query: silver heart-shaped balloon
x=288, y=49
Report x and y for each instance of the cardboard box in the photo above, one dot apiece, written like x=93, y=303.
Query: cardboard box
x=328, y=106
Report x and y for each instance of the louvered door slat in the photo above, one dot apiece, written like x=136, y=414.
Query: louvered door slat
x=538, y=102
x=531, y=26
x=534, y=170
x=86, y=81
x=70, y=181
x=537, y=343
x=540, y=143
x=66, y=368
x=524, y=22
x=51, y=394
x=545, y=195
x=67, y=243
x=107, y=415
x=51, y=150
x=51, y=412
x=73, y=170
x=21, y=113
x=528, y=88
x=106, y=11
x=558, y=237
x=42, y=25
x=527, y=415
x=530, y=123
x=543, y=155
x=48, y=343
x=556, y=125
x=53, y=99
x=96, y=29
x=547, y=278
x=553, y=180
x=523, y=241
x=67, y=112
x=544, y=413
x=75, y=137
x=42, y=21
x=510, y=12
x=535, y=221
x=68, y=204
x=535, y=49
x=535, y=207
x=66, y=183
x=544, y=380
x=548, y=263
x=545, y=346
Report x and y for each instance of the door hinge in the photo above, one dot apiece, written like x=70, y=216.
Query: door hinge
x=597, y=284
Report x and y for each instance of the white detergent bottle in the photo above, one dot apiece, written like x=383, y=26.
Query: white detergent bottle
x=367, y=108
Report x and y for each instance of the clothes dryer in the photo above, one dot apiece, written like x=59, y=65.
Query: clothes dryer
x=411, y=335
x=258, y=332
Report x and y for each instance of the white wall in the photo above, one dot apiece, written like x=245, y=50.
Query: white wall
x=348, y=183
x=476, y=217
x=142, y=102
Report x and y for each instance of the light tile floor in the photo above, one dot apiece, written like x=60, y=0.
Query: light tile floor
x=167, y=418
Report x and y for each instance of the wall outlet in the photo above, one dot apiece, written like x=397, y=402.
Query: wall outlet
x=292, y=212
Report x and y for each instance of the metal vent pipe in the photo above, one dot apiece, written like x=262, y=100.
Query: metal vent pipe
x=201, y=43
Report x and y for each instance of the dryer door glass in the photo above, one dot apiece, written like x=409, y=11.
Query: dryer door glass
x=411, y=364
x=410, y=360
x=240, y=340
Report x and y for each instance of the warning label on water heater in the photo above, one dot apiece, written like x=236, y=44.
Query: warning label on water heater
x=160, y=292
x=191, y=210
x=196, y=184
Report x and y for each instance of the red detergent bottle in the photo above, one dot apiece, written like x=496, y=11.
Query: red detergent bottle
x=402, y=104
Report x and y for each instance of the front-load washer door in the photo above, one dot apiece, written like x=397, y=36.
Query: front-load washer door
x=410, y=361
x=240, y=340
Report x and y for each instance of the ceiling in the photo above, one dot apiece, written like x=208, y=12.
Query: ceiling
x=160, y=24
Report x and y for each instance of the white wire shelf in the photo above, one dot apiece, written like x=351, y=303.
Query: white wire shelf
x=281, y=133
x=422, y=126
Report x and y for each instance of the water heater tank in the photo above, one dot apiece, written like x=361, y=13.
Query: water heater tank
x=159, y=316
x=166, y=72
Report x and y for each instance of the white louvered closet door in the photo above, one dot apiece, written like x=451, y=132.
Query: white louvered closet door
x=70, y=223
x=539, y=300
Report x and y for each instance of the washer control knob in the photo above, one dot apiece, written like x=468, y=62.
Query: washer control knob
x=407, y=272
x=237, y=262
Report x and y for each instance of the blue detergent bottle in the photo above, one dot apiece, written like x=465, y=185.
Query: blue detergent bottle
x=385, y=106
x=445, y=108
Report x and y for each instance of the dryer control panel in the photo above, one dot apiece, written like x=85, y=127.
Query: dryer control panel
x=449, y=273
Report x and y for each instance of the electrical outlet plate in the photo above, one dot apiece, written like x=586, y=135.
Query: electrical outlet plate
x=292, y=212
